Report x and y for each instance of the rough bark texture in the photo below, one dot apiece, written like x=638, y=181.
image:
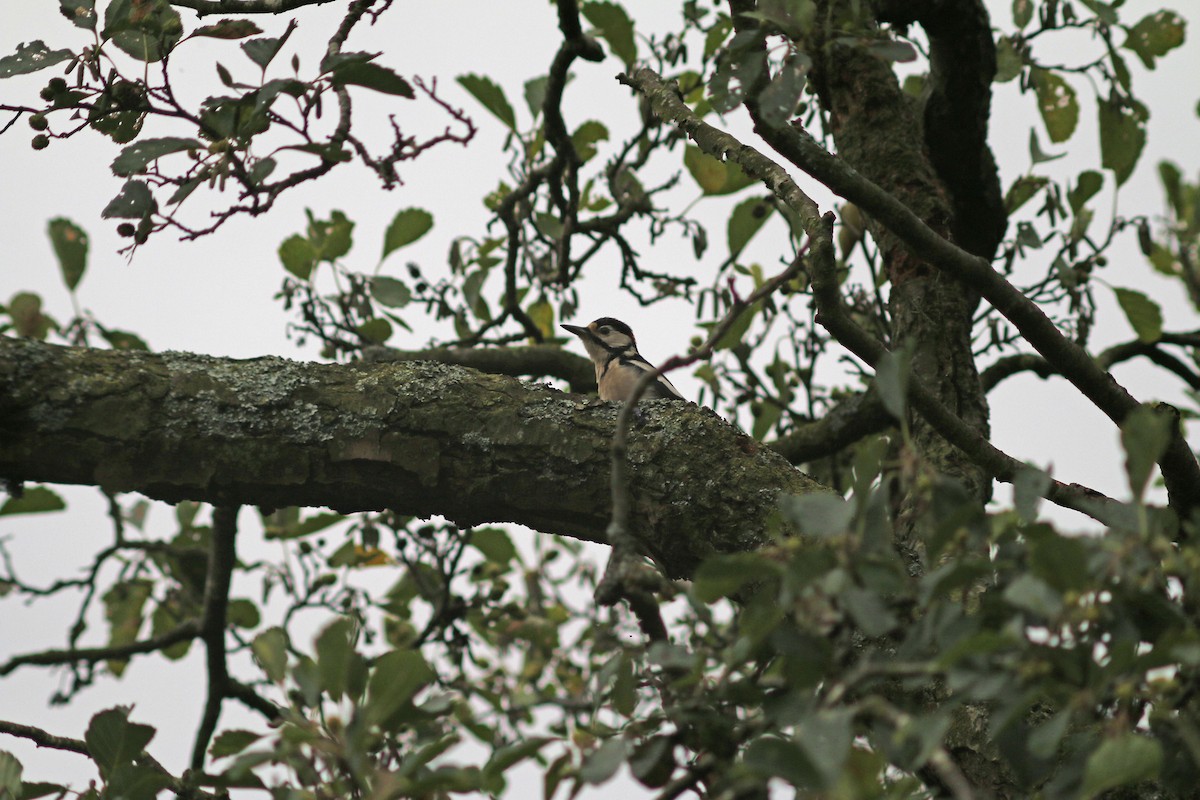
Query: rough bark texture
x=420, y=438
x=879, y=131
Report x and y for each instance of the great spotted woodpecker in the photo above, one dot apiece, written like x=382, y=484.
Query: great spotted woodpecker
x=612, y=348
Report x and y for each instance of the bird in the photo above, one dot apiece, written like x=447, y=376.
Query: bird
x=613, y=350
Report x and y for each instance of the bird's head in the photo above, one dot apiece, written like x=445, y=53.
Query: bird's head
x=605, y=338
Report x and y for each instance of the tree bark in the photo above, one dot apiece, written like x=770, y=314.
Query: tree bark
x=420, y=438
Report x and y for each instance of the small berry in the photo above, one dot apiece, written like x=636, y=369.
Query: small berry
x=38, y=122
x=41, y=141
x=125, y=229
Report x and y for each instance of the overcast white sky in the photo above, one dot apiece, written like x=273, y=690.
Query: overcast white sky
x=213, y=295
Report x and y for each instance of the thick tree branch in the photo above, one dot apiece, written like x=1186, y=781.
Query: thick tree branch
x=206, y=7
x=962, y=64
x=419, y=438
x=849, y=421
x=536, y=361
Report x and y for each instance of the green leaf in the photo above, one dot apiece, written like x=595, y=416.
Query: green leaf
x=133, y=202
x=491, y=96
x=396, y=677
x=542, y=314
x=298, y=256
x=737, y=331
x=1155, y=35
x=123, y=340
x=783, y=759
x=229, y=743
x=33, y=500
x=779, y=99
x=375, y=331
x=765, y=416
x=602, y=764
x=615, y=27
x=585, y=137
x=1022, y=190
x=228, y=29
x=372, y=76
x=114, y=741
x=652, y=762
x=331, y=238
x=1145, y=434
x=136, y=157
x=1028, y=488
x=10, y=776
x=390, y=292
x=243, y=613
x=36, y=789
x=891, y=380
x=119, y=111
x=168, y=615
x=1022, y=11
x=262, y=51
x=818, y=514
x=745, y=221
x=1143, y=314
x=714, y=177
x=123, y=604
x=494, y=544
x=826, y=737
x=1034, y=595
x=144, y=29
x=1121, y=761
x=1122, y=137
x=334, y=650
x=407, y=227
x=1008, y=61
x=724, y=575
x=506, y=757
x=70, y=244
x=32, y=57
x=535, y=94
x=1035, y=150
x=1044, y=740
x=82, y=13
x=1086, y=185
x=270, y=652
x=1057, y=104
x=25, y=309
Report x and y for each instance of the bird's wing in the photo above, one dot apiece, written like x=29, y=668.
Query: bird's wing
x=661, y=389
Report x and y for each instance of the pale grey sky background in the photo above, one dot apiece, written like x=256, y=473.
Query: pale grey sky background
x=213, y=295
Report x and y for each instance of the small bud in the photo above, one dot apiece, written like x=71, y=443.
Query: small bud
x=41, y=141
x=125, y=229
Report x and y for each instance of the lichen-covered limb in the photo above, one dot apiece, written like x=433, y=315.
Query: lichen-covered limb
x=532, y=361
x=418, y=437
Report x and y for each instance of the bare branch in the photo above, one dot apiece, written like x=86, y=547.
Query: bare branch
x=43, y=739
x=1179, y=467
x=204, y=8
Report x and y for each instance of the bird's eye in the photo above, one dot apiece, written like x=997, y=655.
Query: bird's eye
x=606, y=330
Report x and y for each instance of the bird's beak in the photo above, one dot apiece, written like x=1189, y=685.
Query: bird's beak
x=578, y=330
